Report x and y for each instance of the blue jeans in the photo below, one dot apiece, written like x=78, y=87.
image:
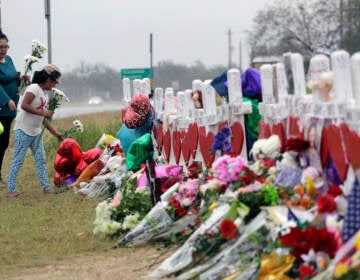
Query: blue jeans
x=22, y=142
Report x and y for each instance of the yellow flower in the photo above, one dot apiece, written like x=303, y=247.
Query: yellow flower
x=310, y=186
x=357, y=240
x=340, y=270
x=212, y=206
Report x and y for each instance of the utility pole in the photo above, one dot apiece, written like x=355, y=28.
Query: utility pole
x=47, y=17
x=151, y=62
x=230, y=46
x=341, y=23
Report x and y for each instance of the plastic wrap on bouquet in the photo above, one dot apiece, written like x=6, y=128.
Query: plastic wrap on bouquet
x=184, y=255
x=176, y=227
x=227, y=262
x=155, y=221
x=110, y=176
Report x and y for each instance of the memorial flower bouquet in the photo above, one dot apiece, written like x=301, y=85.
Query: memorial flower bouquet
x=312, y=248
x=37, y=50
x=175, y=213
x=184, y=199
x=124, y=211
x=215, y=235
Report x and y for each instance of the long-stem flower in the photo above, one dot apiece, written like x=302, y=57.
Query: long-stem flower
x=56, y=99
x=77, y=127
x=37, y=50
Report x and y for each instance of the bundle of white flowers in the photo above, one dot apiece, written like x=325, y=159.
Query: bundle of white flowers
x=37, y=50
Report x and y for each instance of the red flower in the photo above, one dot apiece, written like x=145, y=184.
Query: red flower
x=301, y=241
x=194, y=170
x=334, y=190
x=228, y=229
x=247, y=176
x=296, y=144
x=180, y=211
x=326, y=204
x=267, y=163
x=223, y=187
x=306, y=271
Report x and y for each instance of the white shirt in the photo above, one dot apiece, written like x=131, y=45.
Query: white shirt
x=30, y=123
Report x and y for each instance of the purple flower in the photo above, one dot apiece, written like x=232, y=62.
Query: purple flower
x=226, y=131
x=220, y=137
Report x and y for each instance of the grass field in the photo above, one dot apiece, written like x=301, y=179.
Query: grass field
x=34, y=226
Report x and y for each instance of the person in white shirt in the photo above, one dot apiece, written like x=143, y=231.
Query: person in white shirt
x=28, y=127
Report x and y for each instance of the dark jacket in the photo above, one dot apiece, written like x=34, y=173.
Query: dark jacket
x=8, y=86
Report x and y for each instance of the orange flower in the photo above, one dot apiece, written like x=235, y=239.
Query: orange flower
x=228, y=229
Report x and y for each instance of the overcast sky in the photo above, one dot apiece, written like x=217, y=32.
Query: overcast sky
x=116, y=32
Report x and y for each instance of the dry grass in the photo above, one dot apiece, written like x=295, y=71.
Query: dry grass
x=36, y=227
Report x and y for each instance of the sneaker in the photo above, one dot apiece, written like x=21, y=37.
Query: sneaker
x=13, y=194
x=48, y=191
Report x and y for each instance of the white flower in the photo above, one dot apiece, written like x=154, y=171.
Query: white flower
x=272, y=170
x=78, y=125
x=60, y=95
x=341, y=203
x=257, y=167
x=103, y=222
x=186, y=202
x=31, y=59
x=39, y=46
x=131, y=221
x=142, y=190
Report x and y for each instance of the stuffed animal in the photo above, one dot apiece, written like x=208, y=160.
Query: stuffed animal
x=324, y=86
x=70, y=161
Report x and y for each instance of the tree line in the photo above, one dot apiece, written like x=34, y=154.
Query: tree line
x=305, y=26
x=87, y=80
x=302, y=26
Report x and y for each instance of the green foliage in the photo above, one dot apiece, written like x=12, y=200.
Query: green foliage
x=132, y=201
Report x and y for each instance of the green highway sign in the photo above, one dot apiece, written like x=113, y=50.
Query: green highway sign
x=135, y=73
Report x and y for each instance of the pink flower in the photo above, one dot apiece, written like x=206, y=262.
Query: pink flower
x=116, y=200
x=227, y=168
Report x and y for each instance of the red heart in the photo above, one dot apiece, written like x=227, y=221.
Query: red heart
x=185, y=146
x=237, y=138
x=154, y=130
x=336, y=150
x=167, y=144
x=193, y=138
x=295, y=130
x=352, y=145
x=279, y=130
x=324, y=147
x=159, y=138
x=205, y=142
x=222, y=125
x=264, y=130
x=176, y=145
x=123, y=111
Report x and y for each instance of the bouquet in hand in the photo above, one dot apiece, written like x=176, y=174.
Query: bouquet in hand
x=57, y=98
x=37, y=50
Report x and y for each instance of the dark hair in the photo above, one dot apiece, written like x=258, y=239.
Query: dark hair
x=3, y=36
x=40, y=77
